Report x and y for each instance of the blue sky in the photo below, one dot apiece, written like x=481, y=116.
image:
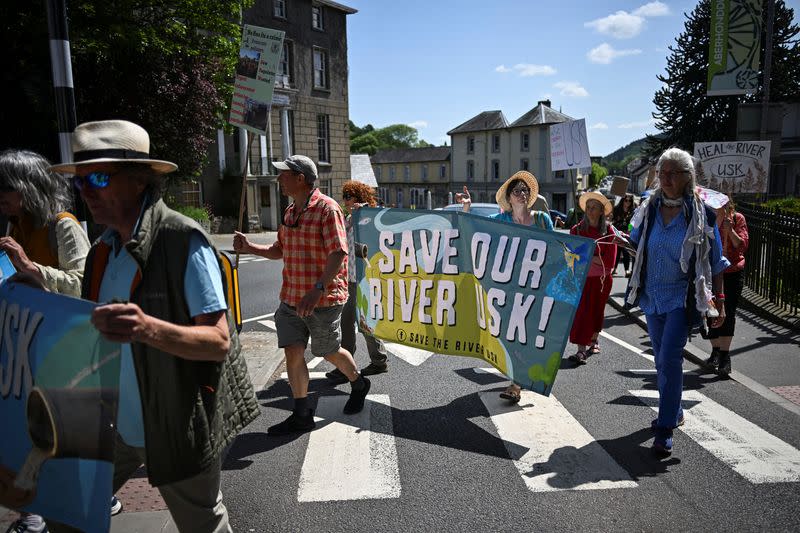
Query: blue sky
x=434, y=64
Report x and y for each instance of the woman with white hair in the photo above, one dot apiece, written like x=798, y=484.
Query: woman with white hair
x=676, y=278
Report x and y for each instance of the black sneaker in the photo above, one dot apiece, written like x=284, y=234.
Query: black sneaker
x=293, y=424
x=372, y=369
x=712, y=363
x=336, y=377
x=724, y=369
x=356, y=401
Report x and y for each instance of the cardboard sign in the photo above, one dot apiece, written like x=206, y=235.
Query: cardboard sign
x=735, y=166
x=569, y=147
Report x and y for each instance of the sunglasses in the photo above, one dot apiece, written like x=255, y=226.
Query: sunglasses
x=94, y=180
x=348, y=197
x=521, y=191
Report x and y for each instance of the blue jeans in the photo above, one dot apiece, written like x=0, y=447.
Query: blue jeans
x=668, y=334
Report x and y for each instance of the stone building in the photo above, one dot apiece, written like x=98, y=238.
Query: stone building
x=406, y=175
x=310, y=112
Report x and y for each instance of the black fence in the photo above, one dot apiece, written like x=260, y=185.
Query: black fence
x=773, y=259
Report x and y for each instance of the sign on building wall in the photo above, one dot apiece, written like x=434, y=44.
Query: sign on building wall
x=569, y=147
x=734, y=167
x=255, y=78
x=734, y=47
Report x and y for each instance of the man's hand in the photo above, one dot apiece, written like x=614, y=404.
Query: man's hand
x=122, y=322
x=309, y=302
x=464, y=199
x=717, y=322
x=18, y=257
x=241, y=244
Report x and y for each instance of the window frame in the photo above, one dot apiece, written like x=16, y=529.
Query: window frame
x=470, y=170
x=324, y=70
x=470, y=144
x=275, y=9
x=496, y=146
x=318, y=17
x=525, y=141
x=323, y=138
x=495, y=169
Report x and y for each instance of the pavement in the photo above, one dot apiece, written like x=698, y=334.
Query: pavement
x=765, y=353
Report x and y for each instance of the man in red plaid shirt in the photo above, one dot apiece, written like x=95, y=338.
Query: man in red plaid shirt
x=312, y=241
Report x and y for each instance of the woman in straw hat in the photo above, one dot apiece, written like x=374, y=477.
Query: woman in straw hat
x=589, y=317
x=676, y=279
x=516, y=198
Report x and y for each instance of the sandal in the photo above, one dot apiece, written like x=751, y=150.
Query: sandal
x=511, y=394
x=594, y=348
x=579, y=357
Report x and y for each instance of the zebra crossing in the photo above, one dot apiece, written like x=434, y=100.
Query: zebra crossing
x=356, y=457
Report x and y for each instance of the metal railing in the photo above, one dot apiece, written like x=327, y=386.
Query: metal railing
x=773, y=258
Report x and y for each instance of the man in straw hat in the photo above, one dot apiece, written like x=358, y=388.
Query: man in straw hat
x=184, y=391
x=312, y=241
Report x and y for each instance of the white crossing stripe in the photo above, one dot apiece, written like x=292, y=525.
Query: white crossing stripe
x=491, y=370
x=630, y=347
x=314, y=362
x=755, y=454
x=413, y=356
x=561, y=454
x=260, y=317
x=269, y=324
x=311, y=375
x=351, y=457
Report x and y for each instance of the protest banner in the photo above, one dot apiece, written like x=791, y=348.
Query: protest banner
x=255, y=78
x=460, y=284
x=734, y=167
x=569, y=147
x=734, y=47
x=58, y=403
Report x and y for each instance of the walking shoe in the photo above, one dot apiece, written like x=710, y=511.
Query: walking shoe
x=579, y=357
x=712, y=363
x=26, y=524
x=681, y=421
x=116, y=506
x=336, y=377
x=372, y=369
x=662, y=444
x=356, y=401
x=294, y=424
x=724, y=369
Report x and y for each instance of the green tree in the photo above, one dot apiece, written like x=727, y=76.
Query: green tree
x=685, y=114
x=368, y=140
x=598, y=173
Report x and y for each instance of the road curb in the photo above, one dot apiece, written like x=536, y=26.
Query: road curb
x=697, y=356
x=260, y=350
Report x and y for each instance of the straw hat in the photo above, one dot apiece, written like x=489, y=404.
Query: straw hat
x=530, y=181
x=594, y=195
x=112, y=141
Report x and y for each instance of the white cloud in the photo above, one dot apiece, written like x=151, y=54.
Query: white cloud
x=632, y=125
x=605, y=53
x=652, y=9
x=526, y=70
x=621, y=25
x=502, y=68
x=418, y=124
x=599, y=126
x=571, y=88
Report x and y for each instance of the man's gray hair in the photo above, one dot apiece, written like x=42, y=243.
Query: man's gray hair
x=44, y=193
x=684, y=161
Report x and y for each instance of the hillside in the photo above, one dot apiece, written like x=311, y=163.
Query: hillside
x=632, y=149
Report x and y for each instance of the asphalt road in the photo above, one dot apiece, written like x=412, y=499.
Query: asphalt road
x=436, y=451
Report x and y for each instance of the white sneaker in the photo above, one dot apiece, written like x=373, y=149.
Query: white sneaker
x=116, y=506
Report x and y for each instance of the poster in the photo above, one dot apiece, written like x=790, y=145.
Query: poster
x=569, y=146
x=734, y=47
x=460, y=284
x=58, y=403
x=734, y=166
x=255, y=78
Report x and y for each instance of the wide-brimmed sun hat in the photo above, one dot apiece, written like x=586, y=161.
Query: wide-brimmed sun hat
x=594, y=195
x=112, y=141
x=530, y=181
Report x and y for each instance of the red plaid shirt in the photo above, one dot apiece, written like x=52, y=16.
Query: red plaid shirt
x=320, y=232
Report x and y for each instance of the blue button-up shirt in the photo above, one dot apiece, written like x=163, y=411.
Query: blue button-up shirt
x=665, y=284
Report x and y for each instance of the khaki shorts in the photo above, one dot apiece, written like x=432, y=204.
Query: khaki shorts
x=323, y=326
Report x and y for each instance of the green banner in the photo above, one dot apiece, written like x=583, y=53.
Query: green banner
x=734, y=47
x=460, y=284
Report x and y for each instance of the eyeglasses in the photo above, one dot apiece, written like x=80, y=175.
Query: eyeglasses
x=95, y=180
x=521, y=191
x=672, y=173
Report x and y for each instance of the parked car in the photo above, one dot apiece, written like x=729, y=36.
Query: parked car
x=484, y=210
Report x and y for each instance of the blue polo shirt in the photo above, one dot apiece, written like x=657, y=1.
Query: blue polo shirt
x=202, y=288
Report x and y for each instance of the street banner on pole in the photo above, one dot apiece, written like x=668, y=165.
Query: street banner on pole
x=735, y=47
x=255, y=78
x=59, y=384
x=735, y=166
x=459, y=284
x=569, y=147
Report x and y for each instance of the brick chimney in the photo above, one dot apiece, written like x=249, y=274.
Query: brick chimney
x=545, y=102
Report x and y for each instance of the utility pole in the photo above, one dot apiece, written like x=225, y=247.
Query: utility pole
x=767, y=68
x=61, y=65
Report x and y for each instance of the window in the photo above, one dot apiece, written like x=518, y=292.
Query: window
x=443, y=171
x=377, y=172
x=285, y=62
x=525, y=141
x=383, y=194
x=495, y=169
x=424, y=172
x=560, y=174
x=524, y=164
x=470, y=144
x=323, y=138
x=191, y=193
x=265, y=196
x=324, y=187
x=279, y=8
x=392, y=172
x=495, y=143
x=470, y=170
x=406, y=172
x=399, y=197
x=317, y=22
x=320, y=69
